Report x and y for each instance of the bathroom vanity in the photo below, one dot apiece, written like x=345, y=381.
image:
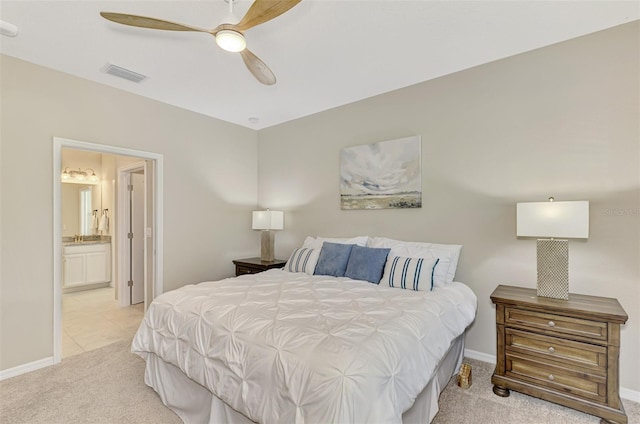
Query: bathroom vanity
x=85, y=265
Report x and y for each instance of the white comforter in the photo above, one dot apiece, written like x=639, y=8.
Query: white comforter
x=285, y=347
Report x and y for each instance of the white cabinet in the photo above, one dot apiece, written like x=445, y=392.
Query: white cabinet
x=86, y=264
x=96, y=270
x=74, y=269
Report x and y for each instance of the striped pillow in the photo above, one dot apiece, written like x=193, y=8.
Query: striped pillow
x=303, y=260
x=409, y=273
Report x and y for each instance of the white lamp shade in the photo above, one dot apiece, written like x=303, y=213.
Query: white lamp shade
x=553, y=219
x=268, y=220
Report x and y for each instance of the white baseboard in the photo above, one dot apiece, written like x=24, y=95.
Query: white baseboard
x=628, y=394
x=25, y=368
x=479, y=356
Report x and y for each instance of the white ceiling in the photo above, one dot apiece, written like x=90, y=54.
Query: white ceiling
x=324, y=53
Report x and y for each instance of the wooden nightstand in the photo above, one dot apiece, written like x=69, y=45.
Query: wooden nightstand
x=562, y=351
x=256, y=265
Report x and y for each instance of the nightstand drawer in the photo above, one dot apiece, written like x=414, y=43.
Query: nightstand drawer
x=566, y=380
x=556, y=324
x=592, y=358
x=242, y=270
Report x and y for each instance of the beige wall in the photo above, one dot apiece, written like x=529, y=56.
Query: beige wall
x=560, y=121
x=209, y=189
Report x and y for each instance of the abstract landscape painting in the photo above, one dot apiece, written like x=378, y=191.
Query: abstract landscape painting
x=381, y=175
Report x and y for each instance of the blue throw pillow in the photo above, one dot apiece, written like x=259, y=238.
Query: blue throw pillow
x=333, y=259
x=367, y=263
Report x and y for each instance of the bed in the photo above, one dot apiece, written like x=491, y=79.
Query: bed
x=294, y=347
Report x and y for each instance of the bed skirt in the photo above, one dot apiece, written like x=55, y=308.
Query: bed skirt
x=195, y=404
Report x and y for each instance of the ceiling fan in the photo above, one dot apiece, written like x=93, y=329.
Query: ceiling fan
x=229, y=34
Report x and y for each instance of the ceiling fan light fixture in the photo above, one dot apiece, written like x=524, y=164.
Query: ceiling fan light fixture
x=229, y=34
x=231, y=41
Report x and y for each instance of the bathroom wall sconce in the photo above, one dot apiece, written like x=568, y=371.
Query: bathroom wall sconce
x=267, y=221
x=79, y=176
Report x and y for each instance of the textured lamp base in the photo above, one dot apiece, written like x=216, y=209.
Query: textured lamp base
x=553, y=268
x=267, y=246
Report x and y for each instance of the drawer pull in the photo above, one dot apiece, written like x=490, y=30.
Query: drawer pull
x=551, y=377
x=551, y=349
x=552, y=324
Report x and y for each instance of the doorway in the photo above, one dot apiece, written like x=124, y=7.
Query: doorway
x=153, y=248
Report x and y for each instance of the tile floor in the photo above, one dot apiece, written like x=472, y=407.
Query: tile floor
x=92, y=319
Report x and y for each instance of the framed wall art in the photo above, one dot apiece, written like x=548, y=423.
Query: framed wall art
x=383, y=175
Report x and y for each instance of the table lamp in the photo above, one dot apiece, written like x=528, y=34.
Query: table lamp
x=552, y=223
x=267, y=221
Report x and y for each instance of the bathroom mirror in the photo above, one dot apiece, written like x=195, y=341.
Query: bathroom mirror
x=79, y=203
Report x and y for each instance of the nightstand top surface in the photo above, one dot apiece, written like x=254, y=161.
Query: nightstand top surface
x=258, y=261
x=521, y=296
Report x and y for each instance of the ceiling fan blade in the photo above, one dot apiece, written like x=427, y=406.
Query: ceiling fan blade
x=258, y=68
x=262, y=11
x=146, y=22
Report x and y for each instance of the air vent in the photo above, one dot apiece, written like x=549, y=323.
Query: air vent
x=120, y=72
x=10, y=30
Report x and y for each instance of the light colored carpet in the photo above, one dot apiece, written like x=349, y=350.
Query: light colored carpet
x=107, y=386
x=478, y=404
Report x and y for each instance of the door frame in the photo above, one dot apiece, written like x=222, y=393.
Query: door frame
x=121, y=216
x=157, y=225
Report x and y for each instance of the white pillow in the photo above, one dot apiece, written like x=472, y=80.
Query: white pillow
x=448, y=254
x=310, y=242
x=316, y=242
x=409, y=273
x=455, y=250
x=303, y=260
